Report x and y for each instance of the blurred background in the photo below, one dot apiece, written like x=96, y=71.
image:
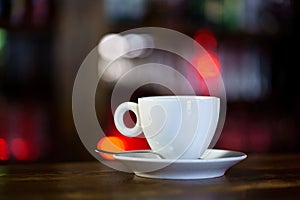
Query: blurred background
x=43, y=43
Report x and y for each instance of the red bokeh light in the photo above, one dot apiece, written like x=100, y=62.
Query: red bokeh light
x=20, y=149
x=207, y=65
x=206, y=39
x=4, y=150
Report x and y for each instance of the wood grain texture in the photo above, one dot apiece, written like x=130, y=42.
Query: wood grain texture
x=257, y=177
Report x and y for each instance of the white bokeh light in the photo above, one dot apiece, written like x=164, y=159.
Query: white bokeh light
x=112, y=46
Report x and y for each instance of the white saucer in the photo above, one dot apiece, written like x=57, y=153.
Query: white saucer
x=215, y=163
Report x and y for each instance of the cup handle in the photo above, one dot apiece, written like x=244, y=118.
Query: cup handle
x=119, y=122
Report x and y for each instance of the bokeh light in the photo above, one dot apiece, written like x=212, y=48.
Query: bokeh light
x=112, y=46
x=207, y=39
x=20, y=149
x=112, y=144
x=4, y=150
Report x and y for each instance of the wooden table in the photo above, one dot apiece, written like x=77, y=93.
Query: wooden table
x=256, y=177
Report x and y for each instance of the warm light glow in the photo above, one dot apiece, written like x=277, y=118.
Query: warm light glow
x=20, y=149
x=205, y=67
x=208, y=64
x=4, y=151
x=111, y=143
x=206, y=39
x=215, y=59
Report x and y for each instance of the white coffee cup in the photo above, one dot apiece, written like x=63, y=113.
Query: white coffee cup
x=176, y=127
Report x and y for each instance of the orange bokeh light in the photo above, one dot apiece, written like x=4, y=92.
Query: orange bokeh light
x=205, y=66
x=111, y=143
x=208, y=70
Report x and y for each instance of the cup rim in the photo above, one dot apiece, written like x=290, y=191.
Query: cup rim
x=183, y=97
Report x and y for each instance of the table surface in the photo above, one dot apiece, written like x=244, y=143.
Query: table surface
x=275, y=176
